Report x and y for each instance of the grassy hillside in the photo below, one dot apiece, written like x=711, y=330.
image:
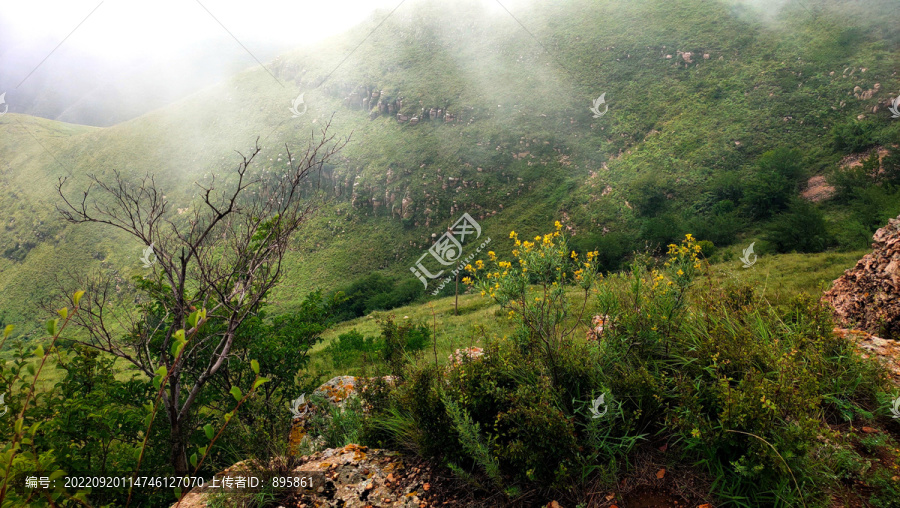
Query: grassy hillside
x=682, y=135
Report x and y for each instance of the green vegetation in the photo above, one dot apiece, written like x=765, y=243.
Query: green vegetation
x=736, y=386
x=720, y=116
x=692, y=135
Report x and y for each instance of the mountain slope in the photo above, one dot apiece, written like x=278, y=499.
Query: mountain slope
x=696, y=91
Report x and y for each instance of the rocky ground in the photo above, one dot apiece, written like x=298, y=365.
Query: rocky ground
x=355, y=477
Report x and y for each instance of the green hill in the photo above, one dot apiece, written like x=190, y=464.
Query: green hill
x=696, y=92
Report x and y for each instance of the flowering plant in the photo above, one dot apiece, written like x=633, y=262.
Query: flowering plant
x=532, y=286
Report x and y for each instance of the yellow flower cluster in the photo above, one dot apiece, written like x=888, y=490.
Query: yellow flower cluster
x=546, y=254
x=688, y=251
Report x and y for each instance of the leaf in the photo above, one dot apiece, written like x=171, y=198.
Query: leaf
x=259, y=381
x=236, y=393
x=194, y=460
x=77, y=297
x=157, y=382
x=208, y=430
x=179, y=335
x=8, y=330
x=18, y=426
x=59, y=473
x=255, y=366
x=51, y=326
x=192, y=318
x=177, y=492
x=202, y=450
x=228, y=416
x=63, y=312
x=39, y=351
x=177, y=347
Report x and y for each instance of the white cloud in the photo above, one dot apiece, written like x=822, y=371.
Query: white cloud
x=132, y=29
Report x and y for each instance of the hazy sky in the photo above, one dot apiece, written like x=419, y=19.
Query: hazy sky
x=130, y=29
x=99, y=62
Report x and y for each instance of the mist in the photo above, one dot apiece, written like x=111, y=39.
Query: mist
x=101, y=63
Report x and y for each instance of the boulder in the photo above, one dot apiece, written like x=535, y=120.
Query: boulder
x=868, y=295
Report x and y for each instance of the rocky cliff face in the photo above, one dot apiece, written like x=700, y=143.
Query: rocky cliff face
x=868, y=295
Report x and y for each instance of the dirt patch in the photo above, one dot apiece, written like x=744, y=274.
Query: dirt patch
x=817, y=189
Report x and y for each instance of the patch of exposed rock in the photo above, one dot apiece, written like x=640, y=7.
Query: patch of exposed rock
x=867, y=296
x=358, y=477
x=886, y=351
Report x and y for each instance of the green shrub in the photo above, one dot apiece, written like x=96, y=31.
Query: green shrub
x=648, y=194
x=376, y=292
x=401, y=342
x=847, y=181
x=347, y=348
x=801, y=228
x=774, y=183
x=852, y=136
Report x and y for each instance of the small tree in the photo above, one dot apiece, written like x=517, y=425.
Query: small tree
x=224, y=258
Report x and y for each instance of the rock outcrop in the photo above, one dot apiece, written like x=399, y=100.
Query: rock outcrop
x=887, y=352
x=867, y=296
x=355, y=477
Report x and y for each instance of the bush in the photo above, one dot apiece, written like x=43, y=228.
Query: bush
x=376, y=292
x=852, y=136
x=400, y=343
x=848, y=181
x=648, y=194
x=347, y=348
x=802, y=228
x=657, y=232
x=775, y=181
x=393, y=347
x=611, y=248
